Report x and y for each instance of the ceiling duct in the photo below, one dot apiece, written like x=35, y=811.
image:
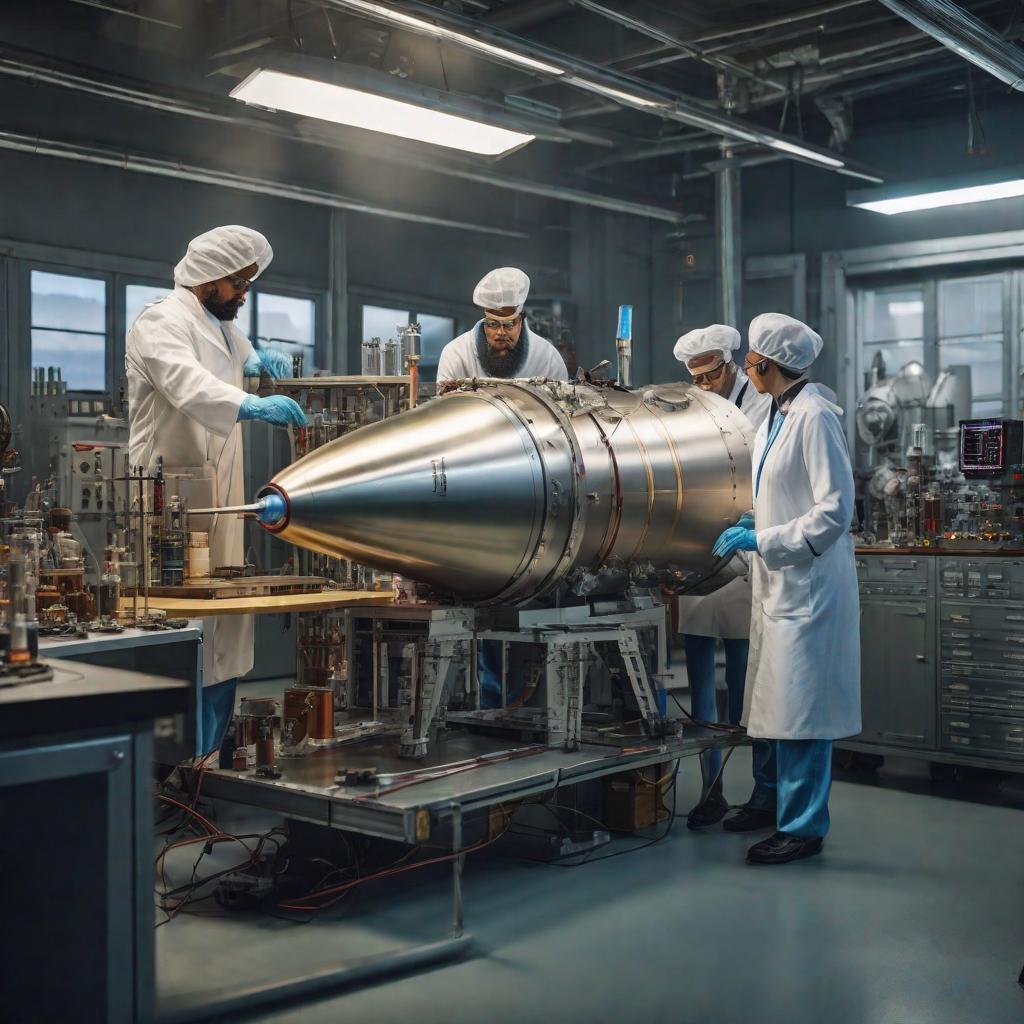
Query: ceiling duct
x=966, y=35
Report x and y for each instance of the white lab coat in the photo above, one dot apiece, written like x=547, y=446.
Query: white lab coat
x=460, y=361
x=726, y=612
x=803, y=676
x=184, y=390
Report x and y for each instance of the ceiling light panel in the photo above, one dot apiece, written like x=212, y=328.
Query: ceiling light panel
x=357, y=108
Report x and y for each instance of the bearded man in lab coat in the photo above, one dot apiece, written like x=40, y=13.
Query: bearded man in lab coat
x=185, y=362
x=501, y=344
x=803, y=682
x=708, y=355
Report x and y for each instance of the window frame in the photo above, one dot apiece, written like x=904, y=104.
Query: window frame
x=1010, y=279
x=463, y=315
x=70, y=270
x=321, y=354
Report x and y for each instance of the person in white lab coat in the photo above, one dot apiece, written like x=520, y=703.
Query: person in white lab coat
x=501, y=344
x=185, y=362
x=707, y=353
x=803, y=681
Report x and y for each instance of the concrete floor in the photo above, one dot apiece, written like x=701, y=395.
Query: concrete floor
x=913, y=914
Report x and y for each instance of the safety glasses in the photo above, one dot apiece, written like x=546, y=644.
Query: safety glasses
x=760, y=364
x=496, y=323
x=240, y=284
x=708, y=376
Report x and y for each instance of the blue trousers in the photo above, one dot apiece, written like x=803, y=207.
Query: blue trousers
x=218, y=706
x=700, y=670
x=795, y=775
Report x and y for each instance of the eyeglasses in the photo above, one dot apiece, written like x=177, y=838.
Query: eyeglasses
x=710, y=376
x=760, y=364
x=240, y=284
x=494, y=323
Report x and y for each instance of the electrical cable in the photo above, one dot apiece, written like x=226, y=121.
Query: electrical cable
x=725, y=727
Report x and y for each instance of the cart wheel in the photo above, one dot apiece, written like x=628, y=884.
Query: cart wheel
x=941, y=772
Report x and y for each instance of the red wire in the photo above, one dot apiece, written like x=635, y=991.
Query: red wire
x=191, y=810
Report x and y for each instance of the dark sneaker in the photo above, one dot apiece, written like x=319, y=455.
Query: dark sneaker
x=781, y=848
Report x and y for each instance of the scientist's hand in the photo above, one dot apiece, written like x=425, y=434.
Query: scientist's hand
x=276, y=409
x=277, y=364
x=746, y=521
x=736, y=538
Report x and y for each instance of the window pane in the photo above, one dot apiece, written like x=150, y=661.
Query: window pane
x=437, y=332
x=971, y=306
x=986, y=410
x=137, y=296
x=381, y=322
x=984, y=356
x=894, y=313
x=81, y=357
x=69, y=303
x=896, y=355
x=284, y=318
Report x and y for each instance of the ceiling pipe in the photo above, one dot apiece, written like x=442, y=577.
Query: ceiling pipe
x=523, y=15
x=39, y=146
x=185, y=108
x=965, y=35
x=630, y=92
x=783, y=19
x=689, y=50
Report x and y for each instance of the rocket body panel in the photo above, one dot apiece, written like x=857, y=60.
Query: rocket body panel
x=505, y=491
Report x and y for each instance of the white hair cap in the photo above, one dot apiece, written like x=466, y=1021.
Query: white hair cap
x=221, y=251
x=713, y=338
x=501, y=288
x=786, y=341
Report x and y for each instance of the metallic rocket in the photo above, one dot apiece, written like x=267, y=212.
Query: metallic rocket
x=508, y=491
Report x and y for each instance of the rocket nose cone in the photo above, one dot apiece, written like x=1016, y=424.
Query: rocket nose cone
x=275, y=509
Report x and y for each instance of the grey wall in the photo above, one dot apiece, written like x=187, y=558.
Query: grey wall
x=791, y=207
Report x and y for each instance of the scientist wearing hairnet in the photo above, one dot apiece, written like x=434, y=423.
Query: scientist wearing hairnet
x=185, y=362
x=803, y=681
x=501, y=344
x=708, y=355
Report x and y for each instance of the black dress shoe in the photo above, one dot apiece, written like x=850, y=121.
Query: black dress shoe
x=781, y=848
x=710, y=811
x=750, y=819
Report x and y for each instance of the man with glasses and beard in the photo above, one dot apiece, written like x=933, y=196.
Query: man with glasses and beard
x=501, y=344
x=186, y=362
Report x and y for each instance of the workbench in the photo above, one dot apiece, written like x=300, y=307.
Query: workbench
x=202, y=608
x=75, y=768
x=172, y=653
x=942, y=656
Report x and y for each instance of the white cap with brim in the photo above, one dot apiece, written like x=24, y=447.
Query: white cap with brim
x=713, y=338
x=221, y=251
x=788, y=342
x=506, y=287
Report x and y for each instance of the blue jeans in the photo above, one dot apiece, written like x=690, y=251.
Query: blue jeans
x=795, y=776
x=218, y=707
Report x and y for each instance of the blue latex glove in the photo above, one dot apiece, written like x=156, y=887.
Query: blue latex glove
x=746, y=521
x=277, y=364
x=736, y=538
x=276, y=409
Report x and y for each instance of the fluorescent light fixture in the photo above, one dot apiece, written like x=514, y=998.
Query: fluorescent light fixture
x=933, y=200
x=806, y=154
x=360, y=109
x=393, y=17
x=620, y=96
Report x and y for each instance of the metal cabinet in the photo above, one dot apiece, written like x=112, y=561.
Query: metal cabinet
x=898, y=670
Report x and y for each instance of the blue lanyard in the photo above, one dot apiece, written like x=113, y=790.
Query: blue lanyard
x=772, y=434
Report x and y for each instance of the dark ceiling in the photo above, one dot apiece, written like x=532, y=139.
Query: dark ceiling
x=818, y=71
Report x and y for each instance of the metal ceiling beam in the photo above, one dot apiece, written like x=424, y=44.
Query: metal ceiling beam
x=39, y=146
x=686, y=49
x=965, y=35
x=783, y=19
x=525, y=14
x=632, y=93
x=186, y=108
